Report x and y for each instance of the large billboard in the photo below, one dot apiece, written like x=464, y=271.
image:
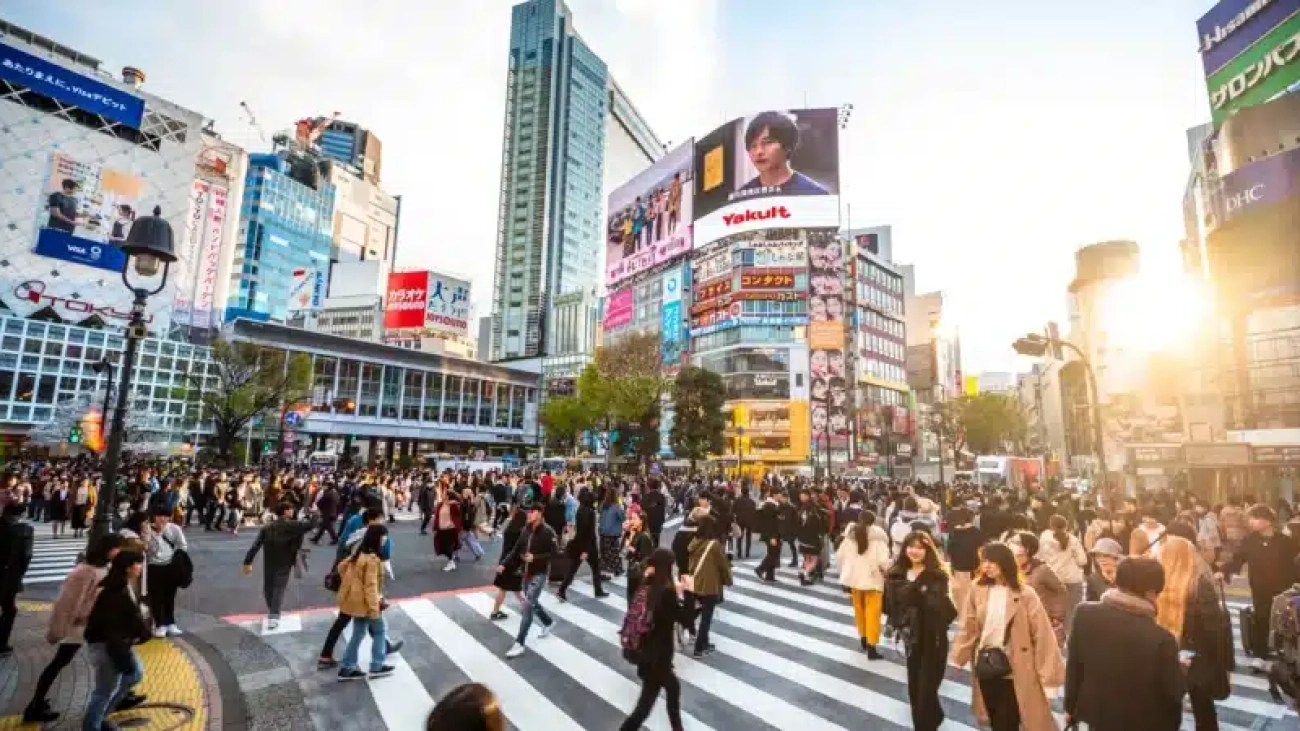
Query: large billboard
x=620, y=306
x=88, y=212
x=1253, y=187
x=829, y=397
x=1231, y=26
x=306, y=291
x=199, y=256
x=69, y=87
x=649, y=220
x=670, y=325
x=447, y=309
x=1261, y=72
x=774, y=169
x=406, y=298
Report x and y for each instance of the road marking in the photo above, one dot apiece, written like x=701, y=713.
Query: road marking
x=401, y=698
x=525, y=707
x=605, y=683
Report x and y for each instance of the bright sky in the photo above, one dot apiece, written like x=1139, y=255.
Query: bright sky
x=995, y=137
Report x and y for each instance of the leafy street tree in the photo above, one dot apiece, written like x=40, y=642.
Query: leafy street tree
x=622, y=390
x=245, y=381
x=990, y=421
x=698, y=421
x=565, y=419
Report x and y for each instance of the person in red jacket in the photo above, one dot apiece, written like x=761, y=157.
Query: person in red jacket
x=447, y=526
x=548, y=484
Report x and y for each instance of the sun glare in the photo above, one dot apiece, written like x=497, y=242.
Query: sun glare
x=1155, y=312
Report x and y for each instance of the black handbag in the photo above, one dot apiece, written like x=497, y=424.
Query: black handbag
x=992, y=663
x=182, y=565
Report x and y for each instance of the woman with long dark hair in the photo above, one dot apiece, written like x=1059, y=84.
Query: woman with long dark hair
x=638, y=546
x=863, y=558
x=920, y=611
x=508, y=582
x=612, y=516
x=1051, y=591
x=114, y=627
x=1006, y=634
x=655, y=664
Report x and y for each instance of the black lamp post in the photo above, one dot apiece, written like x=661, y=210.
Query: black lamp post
x=150, y=251
x=105, y=366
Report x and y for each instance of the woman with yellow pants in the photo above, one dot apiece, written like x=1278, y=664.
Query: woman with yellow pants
x=863, y=557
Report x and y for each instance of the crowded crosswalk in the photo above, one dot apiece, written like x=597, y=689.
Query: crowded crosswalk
x=53, y=558
x=786, y=657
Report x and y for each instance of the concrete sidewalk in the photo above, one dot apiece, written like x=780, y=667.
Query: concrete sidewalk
x=190, y=685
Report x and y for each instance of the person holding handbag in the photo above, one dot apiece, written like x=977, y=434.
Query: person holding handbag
x=1007, y=638
x=709, y=573
x=167, y=556
x=920, y=611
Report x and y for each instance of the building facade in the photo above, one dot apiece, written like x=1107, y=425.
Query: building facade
x=286, y=224
x=558, y=107
x=353, y=145
x=85, y=154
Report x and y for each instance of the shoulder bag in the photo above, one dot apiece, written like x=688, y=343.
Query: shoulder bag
x=182, y=565
x=688, y=580
x=992, y=663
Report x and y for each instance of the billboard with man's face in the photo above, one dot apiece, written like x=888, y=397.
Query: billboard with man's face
x=777, y=168
x=88, y=213
x=649, y=219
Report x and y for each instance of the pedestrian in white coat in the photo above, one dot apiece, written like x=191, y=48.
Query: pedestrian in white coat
x=863, y=558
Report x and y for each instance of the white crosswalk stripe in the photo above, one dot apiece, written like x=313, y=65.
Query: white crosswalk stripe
x=787, y=657
x=53, y=558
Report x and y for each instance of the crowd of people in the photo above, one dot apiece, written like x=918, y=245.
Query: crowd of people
x=1041, y=594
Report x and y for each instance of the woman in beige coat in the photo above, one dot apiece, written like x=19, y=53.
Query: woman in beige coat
x=863, y=558
x=1004, y=612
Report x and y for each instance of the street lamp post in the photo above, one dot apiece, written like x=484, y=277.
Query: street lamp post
x=1036, y=345
x=148, y=245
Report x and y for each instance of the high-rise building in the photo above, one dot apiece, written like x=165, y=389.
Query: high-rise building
x=559, y=140
x=287, y=222
x=354, y=145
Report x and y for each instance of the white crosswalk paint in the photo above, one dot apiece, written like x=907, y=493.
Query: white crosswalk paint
x=605, y=683
x=525, y=707
x=715, y=682
x=874, y=703
x=401, y=697
x=52, y=558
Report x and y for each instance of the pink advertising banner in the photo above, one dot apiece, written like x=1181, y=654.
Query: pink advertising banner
x=619, y=307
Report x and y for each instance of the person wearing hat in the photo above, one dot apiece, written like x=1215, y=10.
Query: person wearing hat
x=1106, y=554
x=531, y=557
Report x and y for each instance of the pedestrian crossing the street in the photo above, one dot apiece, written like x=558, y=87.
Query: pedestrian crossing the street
x=786, y=657
x=53, y=558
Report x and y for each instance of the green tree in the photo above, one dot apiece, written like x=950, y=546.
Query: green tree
x=989, y=421
x=243, y=381
x=698, y=421
x=622, y=389
x=565, y=419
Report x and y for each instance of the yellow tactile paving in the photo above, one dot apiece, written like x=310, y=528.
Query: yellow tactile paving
x=26, y=606
x=169, y=678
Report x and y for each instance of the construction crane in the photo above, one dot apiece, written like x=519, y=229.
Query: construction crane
x=252, y=121
x=307, y=131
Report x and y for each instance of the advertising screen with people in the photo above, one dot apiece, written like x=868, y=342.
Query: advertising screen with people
x=776, y=168
x=649, y=219
x=88, y=211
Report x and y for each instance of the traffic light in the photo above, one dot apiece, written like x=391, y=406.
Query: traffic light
x=74, y=434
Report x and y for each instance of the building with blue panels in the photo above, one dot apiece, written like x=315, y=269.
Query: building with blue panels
x=555, y=153
x=287, y=223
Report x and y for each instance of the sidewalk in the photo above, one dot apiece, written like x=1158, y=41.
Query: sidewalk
x=190, y=686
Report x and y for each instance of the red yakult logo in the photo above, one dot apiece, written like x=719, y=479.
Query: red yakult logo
x=735, y=219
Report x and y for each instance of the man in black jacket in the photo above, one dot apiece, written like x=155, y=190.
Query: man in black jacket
x=16, y=538
x=584, y=546
x=655, y=510
x=1269, y=558
x=531, y=557
x=1116, y=646
x=746, y=513
x=768, y=524
x=282, y=540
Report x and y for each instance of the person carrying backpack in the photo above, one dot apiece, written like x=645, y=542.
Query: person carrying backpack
x=648, y=636
x=1284, y=631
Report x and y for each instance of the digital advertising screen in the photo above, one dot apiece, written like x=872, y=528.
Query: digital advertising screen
x=650, y=216
x=777, y=168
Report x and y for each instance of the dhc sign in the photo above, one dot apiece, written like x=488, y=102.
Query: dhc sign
x=70, y=87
